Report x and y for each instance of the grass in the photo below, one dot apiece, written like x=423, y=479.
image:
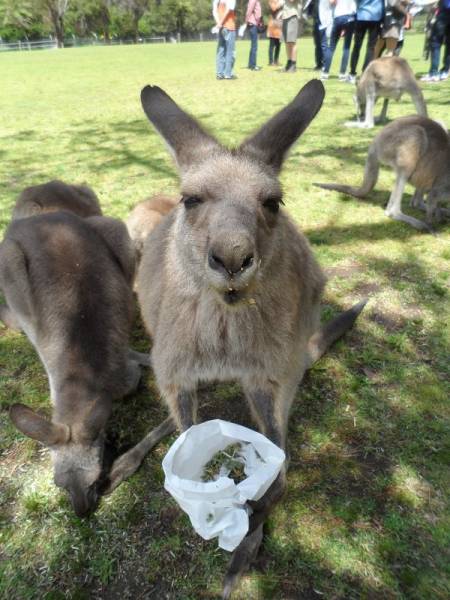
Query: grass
x=366, y=510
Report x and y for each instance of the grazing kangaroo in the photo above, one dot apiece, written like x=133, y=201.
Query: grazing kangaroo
x=66, y=281
x=418, y=149
x=228, y=286
x=145, y=216
x=386, y=77
x=56, y=195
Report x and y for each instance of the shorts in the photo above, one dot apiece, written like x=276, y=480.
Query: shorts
x=290, y=29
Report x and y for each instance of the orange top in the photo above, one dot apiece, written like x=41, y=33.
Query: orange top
x=230, y=21
x=274, y=25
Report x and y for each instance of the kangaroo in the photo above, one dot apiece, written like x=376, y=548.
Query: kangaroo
x=66, y=281
x=418, y=149
x=56, y=195
x=386, y=77
x=145, y=216
x=228, y=286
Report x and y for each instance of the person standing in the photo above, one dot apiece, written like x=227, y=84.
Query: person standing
x=253, y=19
x=395, y=13
x=440, y=35
x=225, y=18
x=326, y=16
x=343, y=25
x=369, y=14
x=290, y=16
x=274, y=30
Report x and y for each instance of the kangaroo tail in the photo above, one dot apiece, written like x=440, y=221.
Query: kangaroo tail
x=370, y=178
x=332, y=331
x=419, y=101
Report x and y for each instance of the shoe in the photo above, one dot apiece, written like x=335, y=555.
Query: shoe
x=351, y=78
x=324, y=76
x=220, y=77
x=428, y=78
x=255, y=68
x=230, y=77
x=443, y=75
x=342, y=77
x=288, y=64
x=317, y=68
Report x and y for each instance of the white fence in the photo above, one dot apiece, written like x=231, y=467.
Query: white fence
x=74, y=42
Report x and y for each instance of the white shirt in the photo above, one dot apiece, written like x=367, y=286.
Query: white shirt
x=345, y=7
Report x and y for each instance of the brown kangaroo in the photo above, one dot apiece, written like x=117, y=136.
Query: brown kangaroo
x=228, y=286
x=66, y=281
x=56, y=195
x=386, y=77
x=145, y=216
x=418, y=149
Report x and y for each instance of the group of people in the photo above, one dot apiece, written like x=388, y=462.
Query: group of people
x=284, y=21
x=384, y=22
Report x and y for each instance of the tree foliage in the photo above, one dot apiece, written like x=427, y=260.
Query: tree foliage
x=105, y=19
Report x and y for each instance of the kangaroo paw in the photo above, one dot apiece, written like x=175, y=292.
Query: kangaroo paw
x=241, y=560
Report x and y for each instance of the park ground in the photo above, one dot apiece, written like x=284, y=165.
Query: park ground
x=366, y=510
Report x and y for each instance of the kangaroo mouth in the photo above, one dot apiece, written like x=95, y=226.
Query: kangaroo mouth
x=232, y=296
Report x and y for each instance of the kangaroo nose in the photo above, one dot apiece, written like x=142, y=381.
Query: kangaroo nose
x=231, y=263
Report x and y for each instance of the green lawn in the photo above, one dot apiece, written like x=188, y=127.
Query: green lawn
x=366, y=511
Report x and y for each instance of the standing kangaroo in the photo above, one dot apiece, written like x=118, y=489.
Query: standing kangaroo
x=66, y=281
x=56, y=195
x=418, y=149
x=228, y=286
x=386, y=77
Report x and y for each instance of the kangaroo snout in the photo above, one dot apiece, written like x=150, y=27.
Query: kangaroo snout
x=231, y=264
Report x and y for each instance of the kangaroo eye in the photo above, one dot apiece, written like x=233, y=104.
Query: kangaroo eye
x=191, y=201
x=272, y=204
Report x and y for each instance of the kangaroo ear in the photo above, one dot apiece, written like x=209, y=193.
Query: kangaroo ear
x=274, y=139
x=188, y=142
x=37, y=427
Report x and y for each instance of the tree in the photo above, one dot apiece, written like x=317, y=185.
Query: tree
x=57, y=10
x=137, y=9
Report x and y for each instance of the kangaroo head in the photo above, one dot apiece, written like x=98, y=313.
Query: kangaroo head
x=225, y=228
x=77, y=452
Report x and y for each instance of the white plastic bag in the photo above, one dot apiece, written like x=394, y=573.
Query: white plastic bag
x=218, y=508
x=242, y=29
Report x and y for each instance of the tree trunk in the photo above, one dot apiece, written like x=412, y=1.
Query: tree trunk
x=58, y=26
x=136, y=17
x=106, y=20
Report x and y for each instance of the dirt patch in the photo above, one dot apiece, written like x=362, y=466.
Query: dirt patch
x=391, y=322
x=344, y=270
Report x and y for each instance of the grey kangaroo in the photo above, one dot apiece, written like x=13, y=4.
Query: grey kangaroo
x=66, y=281
x=418, y=149
x=56, y=195
x=386, y=77
x=145, y=216
x=228, y=286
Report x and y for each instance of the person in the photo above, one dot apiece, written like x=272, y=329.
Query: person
x=326, y=16
x=274, y=31
x=311, y=9
x=440, y=35
x=253, y=19
x=290, y=16
x=343, y=26
x=225, y=17
x=368, y=18
x=395, y=13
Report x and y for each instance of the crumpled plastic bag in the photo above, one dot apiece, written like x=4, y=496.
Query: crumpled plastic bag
x=218, y=508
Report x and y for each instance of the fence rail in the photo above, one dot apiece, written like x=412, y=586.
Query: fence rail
x=75, y=42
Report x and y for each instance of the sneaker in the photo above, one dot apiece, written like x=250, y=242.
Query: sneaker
x=231, y=77
x=255, y=68
x=351, y=78
x=443, y=75
x=428, y=78
x=220, y=77
x=324, y=76
x=342, y=77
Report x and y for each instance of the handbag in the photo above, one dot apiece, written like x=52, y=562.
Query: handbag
x=261, y=26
